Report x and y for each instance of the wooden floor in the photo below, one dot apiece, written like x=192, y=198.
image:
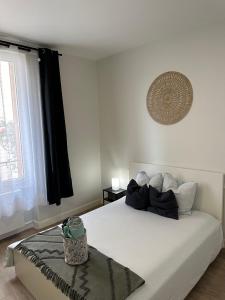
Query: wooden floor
x=10, y=286
x=210, y=287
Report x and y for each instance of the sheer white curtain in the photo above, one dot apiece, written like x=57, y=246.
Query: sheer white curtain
x=22, y=171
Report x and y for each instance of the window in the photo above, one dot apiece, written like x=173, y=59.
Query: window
x=22, y=170
x=11, y=166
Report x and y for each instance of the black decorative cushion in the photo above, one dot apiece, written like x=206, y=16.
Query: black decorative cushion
x=137, y=196
x=163, y=204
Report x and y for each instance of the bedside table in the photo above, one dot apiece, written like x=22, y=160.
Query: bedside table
x=112, y=195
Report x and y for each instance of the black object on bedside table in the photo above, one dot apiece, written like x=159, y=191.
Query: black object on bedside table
x=112, y=195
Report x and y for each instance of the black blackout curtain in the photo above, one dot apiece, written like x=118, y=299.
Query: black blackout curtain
x=58, y=177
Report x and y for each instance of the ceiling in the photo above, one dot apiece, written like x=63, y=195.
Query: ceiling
x=99, y=28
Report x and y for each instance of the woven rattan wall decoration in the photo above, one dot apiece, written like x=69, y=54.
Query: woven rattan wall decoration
x=169, y=98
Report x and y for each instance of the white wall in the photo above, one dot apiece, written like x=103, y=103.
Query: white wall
x=127, y=131
x=80, y=96
x=80, y=92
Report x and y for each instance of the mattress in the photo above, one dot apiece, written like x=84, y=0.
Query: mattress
x=171, y=255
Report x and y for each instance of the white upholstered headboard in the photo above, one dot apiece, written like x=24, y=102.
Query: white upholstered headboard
x=210, y=185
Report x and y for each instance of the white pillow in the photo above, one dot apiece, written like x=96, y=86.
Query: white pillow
x=185, y=193
x=142, y=178
x=157, y=181
x=169, y=182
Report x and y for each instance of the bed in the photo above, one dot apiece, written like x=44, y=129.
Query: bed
x=170, y=255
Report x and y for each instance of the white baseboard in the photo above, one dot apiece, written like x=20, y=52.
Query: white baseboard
x=55, y=219
x=60, y=217
x=17, y=230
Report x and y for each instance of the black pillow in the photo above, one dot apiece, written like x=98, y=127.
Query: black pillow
x=163, y=204
x=137, y=196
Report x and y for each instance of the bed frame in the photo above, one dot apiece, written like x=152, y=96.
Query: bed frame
x=209, y=197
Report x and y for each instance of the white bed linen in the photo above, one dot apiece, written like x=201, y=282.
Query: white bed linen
x=170, y=255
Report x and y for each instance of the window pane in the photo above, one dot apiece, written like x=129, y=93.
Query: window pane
x=10, y=147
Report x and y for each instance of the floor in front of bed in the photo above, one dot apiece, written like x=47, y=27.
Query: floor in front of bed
x=210, y=287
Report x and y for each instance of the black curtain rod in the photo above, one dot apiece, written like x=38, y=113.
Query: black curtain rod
x=21, y=47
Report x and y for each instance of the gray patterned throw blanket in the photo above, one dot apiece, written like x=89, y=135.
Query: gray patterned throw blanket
x=100, y=278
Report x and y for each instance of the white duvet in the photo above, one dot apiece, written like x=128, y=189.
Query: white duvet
x=169, y=255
